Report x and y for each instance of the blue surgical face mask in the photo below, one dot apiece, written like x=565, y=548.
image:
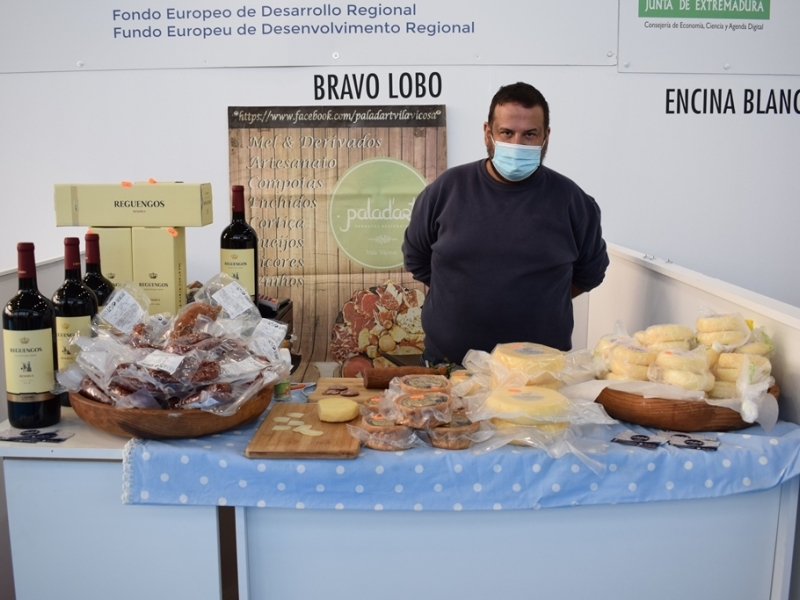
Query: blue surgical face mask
x=515, y=162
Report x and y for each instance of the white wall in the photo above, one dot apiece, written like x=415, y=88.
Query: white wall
x=714, y=193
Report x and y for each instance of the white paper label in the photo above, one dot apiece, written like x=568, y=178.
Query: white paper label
x=162, y=361
x=123, y=311
x=234, y=299
x=275, y=330
x=266, y=347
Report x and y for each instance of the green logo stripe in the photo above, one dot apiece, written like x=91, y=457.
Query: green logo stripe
x=705, y=9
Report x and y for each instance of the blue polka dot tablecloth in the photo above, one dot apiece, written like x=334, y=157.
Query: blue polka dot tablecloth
x=214, y=471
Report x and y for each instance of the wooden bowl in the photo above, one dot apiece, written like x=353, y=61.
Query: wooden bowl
x=674, y=415
x=165, y=424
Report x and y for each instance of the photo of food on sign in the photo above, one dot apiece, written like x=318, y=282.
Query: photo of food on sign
x=377, y=323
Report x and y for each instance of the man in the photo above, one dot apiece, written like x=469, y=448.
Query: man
x=505, y=243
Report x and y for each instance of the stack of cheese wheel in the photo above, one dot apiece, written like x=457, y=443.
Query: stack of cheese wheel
x=628, y=361
x=538, y=364
x=666, y=337
x=727, y=331
x=687, y=369
x=733, y=368
x=758, y=344
x=528, y=406
x=602, y=352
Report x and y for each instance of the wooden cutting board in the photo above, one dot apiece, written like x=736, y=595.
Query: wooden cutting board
x=352, y=383
x=335, y=442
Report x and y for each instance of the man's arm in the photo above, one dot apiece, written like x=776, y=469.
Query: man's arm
x=417, y=242
x=590, y=268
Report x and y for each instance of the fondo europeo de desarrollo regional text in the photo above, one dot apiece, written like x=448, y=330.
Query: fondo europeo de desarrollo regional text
x=321, y=19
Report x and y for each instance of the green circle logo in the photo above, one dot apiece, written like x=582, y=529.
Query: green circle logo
x=369, y=210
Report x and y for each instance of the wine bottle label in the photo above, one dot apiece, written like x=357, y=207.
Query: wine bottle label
x=239, y=264
x=29, y=364
x=66, y=328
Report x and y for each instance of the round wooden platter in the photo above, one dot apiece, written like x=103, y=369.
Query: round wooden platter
x=674, y=415
x=166, y=424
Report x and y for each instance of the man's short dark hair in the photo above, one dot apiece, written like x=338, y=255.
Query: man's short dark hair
x=523, y=94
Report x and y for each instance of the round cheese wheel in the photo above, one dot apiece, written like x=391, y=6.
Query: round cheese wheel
x=604, y=345
x=682, y=359
x=544, y=427
x=528, y=405
x=727, y=374
x=728, y=322
x=734, y=360
x=686, y=379
x=629, y=371
x=674, y=345
x=632, y=354
x=757, y=348
x=667, y=333
x=725, y=338
x=537, y=361
x=724, y=389
x=610, y=376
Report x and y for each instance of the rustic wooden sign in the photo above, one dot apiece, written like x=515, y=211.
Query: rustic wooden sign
x=329, y=191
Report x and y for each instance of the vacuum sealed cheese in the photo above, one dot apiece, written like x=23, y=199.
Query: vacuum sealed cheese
x=527, y=405
x=537, y=364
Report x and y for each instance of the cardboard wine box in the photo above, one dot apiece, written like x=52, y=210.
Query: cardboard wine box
x=116, y=253
x=140, y=204
x=159, y=266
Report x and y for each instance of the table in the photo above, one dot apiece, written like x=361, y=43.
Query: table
x=71, y=535
x=674, y=522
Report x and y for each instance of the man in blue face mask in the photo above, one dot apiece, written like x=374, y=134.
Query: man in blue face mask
x=504, y=243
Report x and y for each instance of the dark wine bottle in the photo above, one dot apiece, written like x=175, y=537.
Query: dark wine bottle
x=94, y=278
x=75, y=305
x=239, y=246
x=29, y=350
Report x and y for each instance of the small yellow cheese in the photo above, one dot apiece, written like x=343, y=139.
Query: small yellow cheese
x=337, y=410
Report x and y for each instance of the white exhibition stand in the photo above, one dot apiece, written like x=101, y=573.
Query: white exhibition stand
x=72, y=537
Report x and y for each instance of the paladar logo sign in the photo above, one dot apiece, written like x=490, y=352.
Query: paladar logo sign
x=705, y=9
x=369, y=210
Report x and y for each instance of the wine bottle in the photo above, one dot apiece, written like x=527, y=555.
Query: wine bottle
x=75, y=305
x=94, y=278
x=239, y=246
x=29, y=342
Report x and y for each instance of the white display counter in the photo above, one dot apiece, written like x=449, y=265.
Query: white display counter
x=65, y=512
